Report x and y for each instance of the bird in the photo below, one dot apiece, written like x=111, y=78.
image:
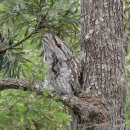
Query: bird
x=63, y=68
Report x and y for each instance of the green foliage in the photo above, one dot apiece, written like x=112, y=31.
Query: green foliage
x=22, y=24
x=20, y=110
x=25, y=21
x=12, y=62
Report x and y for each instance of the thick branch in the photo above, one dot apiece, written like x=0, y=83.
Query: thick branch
x=20, y=84
x=83, y=107
x=70, y=100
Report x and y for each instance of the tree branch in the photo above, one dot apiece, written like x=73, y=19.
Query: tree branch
x=84, y=107
x=6, y=47
x=11, y=83
x=71, y=101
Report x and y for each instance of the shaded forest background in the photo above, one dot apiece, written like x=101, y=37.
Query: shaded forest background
x=22, y=25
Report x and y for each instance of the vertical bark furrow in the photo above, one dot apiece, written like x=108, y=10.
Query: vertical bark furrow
x=102, y=55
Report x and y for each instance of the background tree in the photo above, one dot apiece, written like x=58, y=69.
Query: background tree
x=97, y=98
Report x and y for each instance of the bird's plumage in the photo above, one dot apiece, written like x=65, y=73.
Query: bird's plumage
x=63, y=68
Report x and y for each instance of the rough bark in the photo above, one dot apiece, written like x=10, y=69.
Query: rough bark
x=94, y=89
x=102, y=58
x=12, y=83
x=71, y=101
x=64, y=77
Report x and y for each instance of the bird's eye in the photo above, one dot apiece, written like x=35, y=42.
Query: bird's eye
x=58, y=45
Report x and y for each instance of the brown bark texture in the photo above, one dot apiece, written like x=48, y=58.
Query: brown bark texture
x=94, y=88
x=103, y=59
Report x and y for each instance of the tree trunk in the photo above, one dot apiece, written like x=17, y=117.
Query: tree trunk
x=93, y=89
x=102, y=60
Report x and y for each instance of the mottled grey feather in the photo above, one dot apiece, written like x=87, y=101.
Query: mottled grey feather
x=63, y=69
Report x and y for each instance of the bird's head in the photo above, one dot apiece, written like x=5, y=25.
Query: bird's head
x=54, y=46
